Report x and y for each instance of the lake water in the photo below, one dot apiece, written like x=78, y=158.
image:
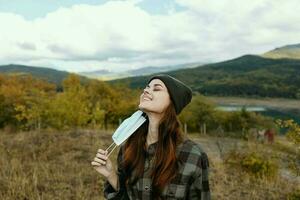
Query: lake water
x=267, y=111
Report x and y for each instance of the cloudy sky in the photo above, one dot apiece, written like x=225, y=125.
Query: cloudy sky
x=87, y=35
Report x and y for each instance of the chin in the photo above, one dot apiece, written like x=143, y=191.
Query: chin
x=142, y=108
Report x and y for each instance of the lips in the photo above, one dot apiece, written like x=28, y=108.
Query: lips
x=147, y=98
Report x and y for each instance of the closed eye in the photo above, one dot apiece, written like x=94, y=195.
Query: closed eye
x=155, y=87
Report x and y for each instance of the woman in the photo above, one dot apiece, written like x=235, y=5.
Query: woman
x=157, y=161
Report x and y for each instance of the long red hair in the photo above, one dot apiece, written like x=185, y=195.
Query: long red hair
x=165, y=164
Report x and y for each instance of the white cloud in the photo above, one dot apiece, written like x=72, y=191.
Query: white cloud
x=249, y=22
x=120, y=35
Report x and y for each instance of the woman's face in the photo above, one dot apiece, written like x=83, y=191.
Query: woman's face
x=155, y=97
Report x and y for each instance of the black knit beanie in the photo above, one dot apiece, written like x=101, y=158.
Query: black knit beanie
x=180, y=94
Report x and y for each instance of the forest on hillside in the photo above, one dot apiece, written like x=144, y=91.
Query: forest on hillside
x=246, y=76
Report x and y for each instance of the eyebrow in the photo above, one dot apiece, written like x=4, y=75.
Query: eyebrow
x=156, y=84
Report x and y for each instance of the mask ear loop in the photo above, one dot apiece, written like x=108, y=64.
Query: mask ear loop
x=112, y=146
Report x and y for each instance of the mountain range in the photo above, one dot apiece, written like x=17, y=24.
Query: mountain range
x=272, y=74
x=108, y=75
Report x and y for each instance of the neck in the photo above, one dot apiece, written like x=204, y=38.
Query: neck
x=152, y=135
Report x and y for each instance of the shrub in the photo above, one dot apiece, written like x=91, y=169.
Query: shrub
x=253, y=163
x=259, y=166
x=294, y=195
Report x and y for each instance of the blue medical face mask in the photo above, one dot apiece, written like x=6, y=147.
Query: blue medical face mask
x=127, y=128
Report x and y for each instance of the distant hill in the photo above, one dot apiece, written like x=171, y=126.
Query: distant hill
x=108, y=75
x=48, y=74
x=288, y=51
x=247, y=75
x=104, y=74
x=99, y=74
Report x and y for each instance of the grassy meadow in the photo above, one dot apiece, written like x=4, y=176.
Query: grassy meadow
x=56, y=165
x=50, y=165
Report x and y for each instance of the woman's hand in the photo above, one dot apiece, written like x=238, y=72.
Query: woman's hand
x=103, y=164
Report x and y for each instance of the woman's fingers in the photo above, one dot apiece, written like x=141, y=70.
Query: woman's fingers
x=100, y=161
x=95, y=163
x=101, y=156
x=101, y=151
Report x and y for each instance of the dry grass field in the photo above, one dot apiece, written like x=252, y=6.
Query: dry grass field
x=56, y=165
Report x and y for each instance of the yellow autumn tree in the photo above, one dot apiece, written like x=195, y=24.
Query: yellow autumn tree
x=113, y=103
x=293, y=129
x=70, y=109
x=27, y=96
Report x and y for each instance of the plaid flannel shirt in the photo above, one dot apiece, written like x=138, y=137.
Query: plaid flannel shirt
x=190, y=183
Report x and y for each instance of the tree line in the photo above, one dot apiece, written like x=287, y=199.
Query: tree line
x=28, y=103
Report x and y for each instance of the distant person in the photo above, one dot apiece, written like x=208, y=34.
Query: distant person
x=269, y=134
x=252, y=134
x=261, y=135
x=158, y=161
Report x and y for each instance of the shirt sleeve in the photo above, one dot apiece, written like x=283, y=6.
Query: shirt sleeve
x=199, y=189
x=109, y=192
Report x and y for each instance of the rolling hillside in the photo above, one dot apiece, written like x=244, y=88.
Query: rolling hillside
x=247, y=75
x=288, y=51
x=110, y=75
x=48, y=74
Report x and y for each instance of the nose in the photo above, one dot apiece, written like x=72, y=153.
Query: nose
x=146, y=91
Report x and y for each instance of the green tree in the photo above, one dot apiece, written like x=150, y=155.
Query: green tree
x=70, y=109
x=198, y=112
x=293, y=130
x=114, y=102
